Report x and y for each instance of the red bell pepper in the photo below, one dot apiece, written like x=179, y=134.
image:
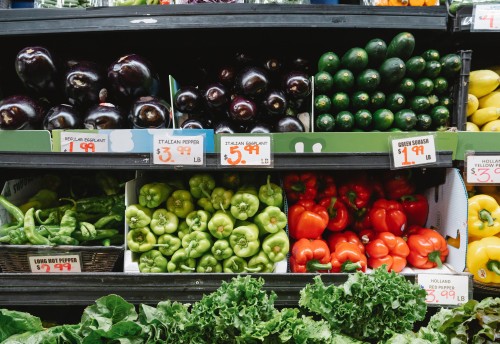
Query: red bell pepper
x=428, y=248
x=310, y=256
x=356, y=193
x=306, y=219
x=416, y=208
x=327, y=188
x=300, y=186
x=339, y=237
x=367, y=235
x=388, y=216
x=361, y=220
x=398, y=183
x=387, y=249
x=337, y=213
x=347, y=258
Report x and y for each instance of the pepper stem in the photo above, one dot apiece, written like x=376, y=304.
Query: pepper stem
x=351, y=196
x=185, y=267
x=255, y=269
x=494, y=265
x=485, y=215
x=314, y=265
x=298, y=187
x=409, y=198
x=435, y=256
x=349, y=266
x=269, y=188
x=203, y=191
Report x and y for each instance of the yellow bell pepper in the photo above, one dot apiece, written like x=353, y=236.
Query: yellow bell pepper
x=483, y=260
x=484, y=217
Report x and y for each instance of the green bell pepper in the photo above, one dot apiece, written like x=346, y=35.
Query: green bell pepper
x=244, y=205
x=137, y=216
x=152, y=262
x=248, y=189
x=197, y=243
x=29, y=229
x=168, y=244
x=14, y=236
x=152, y=195
x=260, y=263
x=234, y=264
x=197, y=220
x=221, y=249
x=276, y=246
x=206, y=204
x=181, y=262
x=68, y=222
x=271, y=194
x=270, y=220
x=201, y=185
x=180, y=203
x=231, y=180
x=183, y=230
x=208, y=263
x=221, y=225
x=244, y=240
x=163, y=221
x=221, y=198
x=140, y=240
x=43, y=199
x=16, y=213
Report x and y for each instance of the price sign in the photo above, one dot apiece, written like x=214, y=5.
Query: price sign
x=83, y=142
x=445, y=289
x=483, y=169
x=413, y=151
x=245, y=151
x=486, y=17
x=55, y=264
x=178, y=150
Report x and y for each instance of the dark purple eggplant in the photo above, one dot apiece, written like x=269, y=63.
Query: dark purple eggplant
x=243, y=58
x=21, y=112
x=275, y=102
x=260, y=128
x=273, y=65
x=224, y=127
x=187, y=99
x=84, y=84
x=192, y=124
x=216, y=96
x=252, y=81
x=297, y=84
x=150, y=112
x=103, y=116
x=242, y=109
x=226, y=75
x=289, y=124
x=37, y=70
x=131, y=76
x=62, y=116
x=300, y=64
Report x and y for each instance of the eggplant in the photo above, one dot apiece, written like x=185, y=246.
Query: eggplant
x=103, y=116
x=84, y=84
x=297, y=84
x=216, y=96
x=62, y=116
x=242, y=109
x=192, y=124
x=131, y=76
x=37, y=70
x=226, y=75
x=301, y=64
x=260, y=128
x=288, y=124
x=21, y=112
x=252, y=81
x=150, y=112
x=243, y=58
x=187, y=99
x=275, y=102
x=224, y=127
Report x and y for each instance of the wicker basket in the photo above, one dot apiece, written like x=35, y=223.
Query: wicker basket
x=14, y=258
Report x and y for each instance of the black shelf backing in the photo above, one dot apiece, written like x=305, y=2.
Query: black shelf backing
x=143, y=161
x=217, y=16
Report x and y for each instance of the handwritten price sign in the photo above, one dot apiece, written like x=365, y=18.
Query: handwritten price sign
x=486, y=17
x=245, y=151
x=445, y=289
x=413, y=151
x=178, y=150
x=483, y=169
x=83, y=142
x=55, y=264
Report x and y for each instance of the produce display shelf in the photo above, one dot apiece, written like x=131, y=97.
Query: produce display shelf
x=462, y=22
x=211, y=16
x=143, y=161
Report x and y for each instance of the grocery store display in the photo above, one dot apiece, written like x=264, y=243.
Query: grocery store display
x=483, y=101
x=385, y=87
x=208, y=223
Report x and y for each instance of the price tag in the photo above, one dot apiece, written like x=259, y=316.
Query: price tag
x=413, y=151
x=245, y=151
x=445, y=289
x=178, y=150
x=486, y=17
x=72, y=142
x=483, y=169
x=55, y=264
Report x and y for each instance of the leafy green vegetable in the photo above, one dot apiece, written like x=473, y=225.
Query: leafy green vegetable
x=14, y=322
x=367, y=306
x=164, y=324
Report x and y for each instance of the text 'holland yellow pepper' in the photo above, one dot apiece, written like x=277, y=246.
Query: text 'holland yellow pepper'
x=483, y=260
x=484, y=217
